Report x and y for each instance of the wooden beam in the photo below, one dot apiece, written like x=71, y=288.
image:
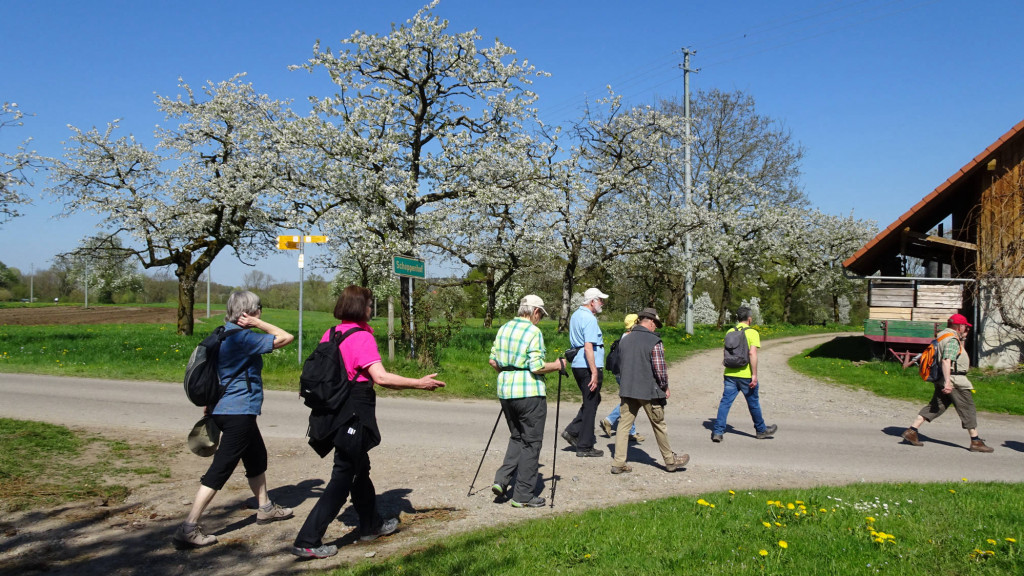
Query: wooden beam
x=929, y=239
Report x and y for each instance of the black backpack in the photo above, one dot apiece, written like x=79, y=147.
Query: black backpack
x=202, y=380
x=324, y=383
x=737, y=351
x=611, y=361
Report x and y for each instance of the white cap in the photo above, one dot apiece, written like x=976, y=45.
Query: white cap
x=535, y=301
x=593, y=293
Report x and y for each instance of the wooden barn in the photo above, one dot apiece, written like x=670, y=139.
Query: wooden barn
x=960, y=249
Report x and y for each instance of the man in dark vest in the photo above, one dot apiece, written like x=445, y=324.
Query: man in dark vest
x=643, y=383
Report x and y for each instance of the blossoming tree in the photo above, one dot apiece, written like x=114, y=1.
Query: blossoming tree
x=421, y=118
x=211, y=183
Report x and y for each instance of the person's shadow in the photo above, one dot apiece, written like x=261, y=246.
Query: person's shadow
x=897, y=431
x=709, y=425
x=1014, y=445
x=288, y=496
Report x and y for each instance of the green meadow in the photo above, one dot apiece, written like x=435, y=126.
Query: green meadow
x=847, y=360
x=908, y=529
x=156, y=352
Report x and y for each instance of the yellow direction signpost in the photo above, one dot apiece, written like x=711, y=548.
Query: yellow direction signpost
x=299, y=243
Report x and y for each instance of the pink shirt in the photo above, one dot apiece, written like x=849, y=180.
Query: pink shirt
x=359, y=350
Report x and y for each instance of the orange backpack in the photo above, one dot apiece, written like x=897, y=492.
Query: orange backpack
x=931, y=370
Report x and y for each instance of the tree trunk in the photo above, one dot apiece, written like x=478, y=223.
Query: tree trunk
x=723, y=304
x=187, y=279
x=787, y=303
x=568, y=282
x=492, y=298
x=403, y=305
x=835, y=308
x=676, y=296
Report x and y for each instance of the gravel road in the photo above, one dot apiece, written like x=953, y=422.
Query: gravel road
x=828, y=435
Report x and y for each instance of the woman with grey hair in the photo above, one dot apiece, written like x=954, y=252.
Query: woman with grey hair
x=240, y=365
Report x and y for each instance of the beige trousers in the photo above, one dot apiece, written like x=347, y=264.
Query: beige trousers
x=627, y=415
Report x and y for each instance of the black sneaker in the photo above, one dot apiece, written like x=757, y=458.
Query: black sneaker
x=589, y=453
x=769, y=431
x=389, y=526
x=535, y=502
x=572, y=440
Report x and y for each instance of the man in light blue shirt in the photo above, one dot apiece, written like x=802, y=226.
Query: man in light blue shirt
x=588, y=370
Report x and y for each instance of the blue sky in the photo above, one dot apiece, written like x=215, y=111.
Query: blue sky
x=889, y=97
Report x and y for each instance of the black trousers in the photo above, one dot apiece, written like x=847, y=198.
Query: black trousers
x=525, y=418
x=349, y=477
x=240, y=439
x=582, y=426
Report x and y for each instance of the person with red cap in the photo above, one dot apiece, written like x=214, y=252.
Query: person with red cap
x=952, y=387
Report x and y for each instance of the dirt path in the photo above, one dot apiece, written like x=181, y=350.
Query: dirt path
x=828, y=435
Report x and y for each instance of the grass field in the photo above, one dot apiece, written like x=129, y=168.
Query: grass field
x=911, y=529
x=847, y=360
x=43, y=465
x=157, y=352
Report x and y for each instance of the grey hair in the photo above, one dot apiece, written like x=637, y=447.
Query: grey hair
x=242, y=302
x=526, y=311
x=743, y=314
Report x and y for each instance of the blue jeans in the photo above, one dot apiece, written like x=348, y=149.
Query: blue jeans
x=734, y=386
x=614, y=419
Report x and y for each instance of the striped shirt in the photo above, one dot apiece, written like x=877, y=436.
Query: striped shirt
x=519, y=345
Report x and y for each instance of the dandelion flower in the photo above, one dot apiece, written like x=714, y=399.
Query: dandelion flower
x=1011, y=540
x=763, y=552
x=991, y=541
x=783, y=544
x=870, y=519
x=789, y=506
x=951, y=491
x=731, y=493
x=766, y=525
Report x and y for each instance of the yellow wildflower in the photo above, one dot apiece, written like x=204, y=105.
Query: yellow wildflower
x=783, y=544
x=763, y=552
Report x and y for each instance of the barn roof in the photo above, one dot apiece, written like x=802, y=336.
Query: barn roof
x=929, y=212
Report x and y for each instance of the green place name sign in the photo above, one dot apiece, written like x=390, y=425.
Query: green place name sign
x=409, y=267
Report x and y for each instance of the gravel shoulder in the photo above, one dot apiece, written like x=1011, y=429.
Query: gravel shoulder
x=828, y=435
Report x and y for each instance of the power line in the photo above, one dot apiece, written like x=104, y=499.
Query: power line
x=774, y=35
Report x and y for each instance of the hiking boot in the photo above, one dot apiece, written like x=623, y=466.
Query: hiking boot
x=389, y=526
x=323, y=551
x=769, y=431
x=910, y=435
x=638, y=438
x=678, y=461
x=979, y=446
x=572, y=440
x=625, y=468
x=607, y=427
x=193, y=538
x=716, y=437
x=535, y=502
x=274, y=514
x=589, y=453
x=498, y=490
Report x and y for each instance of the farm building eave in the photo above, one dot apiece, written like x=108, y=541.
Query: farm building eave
x=927, y=213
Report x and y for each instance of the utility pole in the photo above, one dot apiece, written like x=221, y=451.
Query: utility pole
x=687, y=186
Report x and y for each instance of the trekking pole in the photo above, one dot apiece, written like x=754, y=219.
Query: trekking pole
x=486, y=448
x=554, y=455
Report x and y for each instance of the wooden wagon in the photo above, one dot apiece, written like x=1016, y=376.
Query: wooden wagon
x=906, y=315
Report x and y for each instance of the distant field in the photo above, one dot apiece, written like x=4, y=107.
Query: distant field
x=49, y=315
